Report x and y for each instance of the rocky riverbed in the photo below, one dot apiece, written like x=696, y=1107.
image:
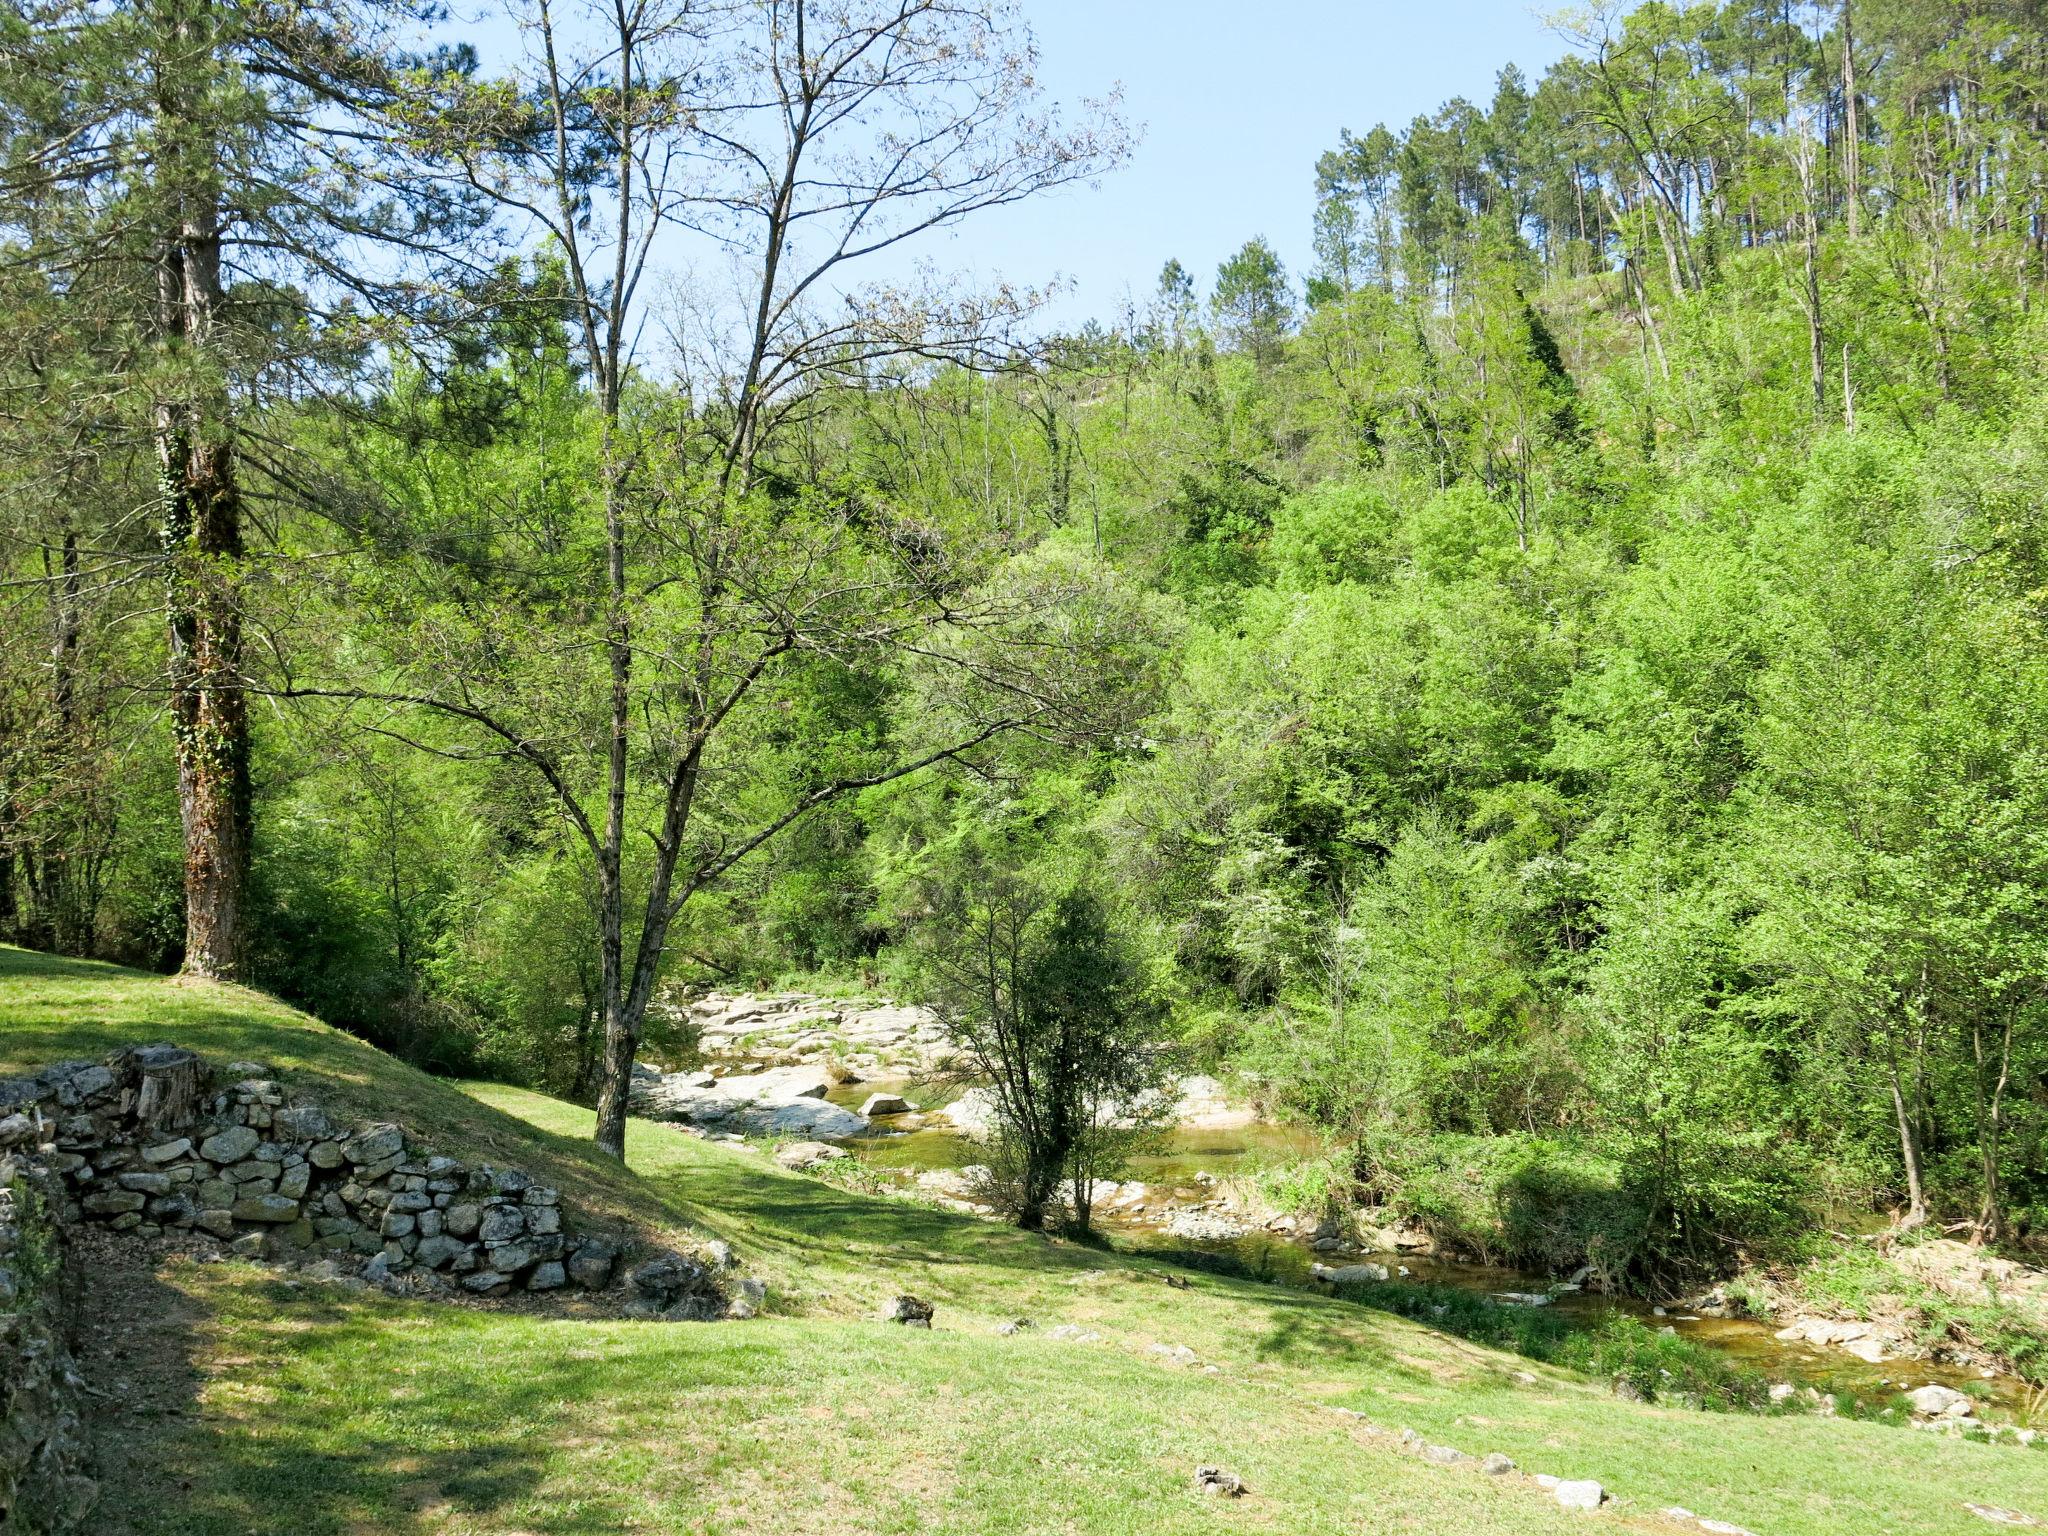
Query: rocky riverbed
x=859, y=1079
x=794, y=1064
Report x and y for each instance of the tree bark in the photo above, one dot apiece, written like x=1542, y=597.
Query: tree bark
x=202, y=540
x=1909, y=1154
x=209, y=711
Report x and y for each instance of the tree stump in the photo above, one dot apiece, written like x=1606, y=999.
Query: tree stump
x=161, y=1086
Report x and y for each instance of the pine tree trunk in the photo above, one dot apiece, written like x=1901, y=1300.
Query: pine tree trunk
x=209, y=710
x=202, y=534
x=203, y=549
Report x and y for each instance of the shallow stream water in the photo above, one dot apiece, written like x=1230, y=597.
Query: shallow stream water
x=1170, y=1173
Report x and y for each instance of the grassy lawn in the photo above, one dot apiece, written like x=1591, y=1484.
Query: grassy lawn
x=314, y=1409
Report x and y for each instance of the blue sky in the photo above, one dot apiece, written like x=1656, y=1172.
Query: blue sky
x=1236, y=100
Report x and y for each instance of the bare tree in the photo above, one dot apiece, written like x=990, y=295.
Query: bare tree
x=787, y=142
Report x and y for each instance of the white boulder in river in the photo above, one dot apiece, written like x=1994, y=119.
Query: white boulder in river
x=788, y=1101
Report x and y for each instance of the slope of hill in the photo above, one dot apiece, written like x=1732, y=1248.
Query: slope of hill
x=236, y=1398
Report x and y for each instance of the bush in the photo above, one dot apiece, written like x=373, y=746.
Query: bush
x=1612, y=1346
x=1533, y=1202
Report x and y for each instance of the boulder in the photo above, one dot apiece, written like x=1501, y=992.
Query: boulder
x=1204, y=1226
x=1348, y=1274
x=547, y=1277
x=908, y=1311
x=806, y=1154
x=1579, y=1493
x=667, y=1278
x=804, y=1117
x=230, y=1146
x=1215, y=1483
x=1937, y=1402
x=1494, y=1464
x=886, y=1104
x=500, y=1224
x=374, y=1145
x=435, y=1252
x=266, y=1209
x=590, y=1266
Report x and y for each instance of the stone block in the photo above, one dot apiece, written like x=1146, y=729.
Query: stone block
x=230, y=1146
x=269, y=1209
x=379, y=1144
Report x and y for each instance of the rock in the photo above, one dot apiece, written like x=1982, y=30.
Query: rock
x=500, y=1224
x=1073, y=1333
x=886, y=1104
x=1215, y=1483
x=1579, y=1493
x=510, y=1258
x=545, y=1277
x=462, y=1220
x=326, y=1154
x=113, y=1203
x=590, y=1266
x=1723, y=1528
x=249, y=1247
x=373, y=1145
x=1998, y=1516
x=487, y=1282
x=908, y=1311
x=15, y=1129
x=434, y=1252
x=1176, y=1354
x=230, y=1145
x=266, y=1208
x=1936, y=1402
x=147, y=1183
x=1014, y=1326
x=667, y=1278
x=1348, y=1274
x=1869, y=1349
x=806, y=1154
x=163, y=1151
x=1494, y=1464
x=974, y=1113
x=218, y=1222
x=1783, y=1391
x=1444, y=1455
x=305, y=1123
x=1203, y=1226
x=803, y=1117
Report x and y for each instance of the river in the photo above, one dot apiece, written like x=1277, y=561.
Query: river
x=1170, y=1176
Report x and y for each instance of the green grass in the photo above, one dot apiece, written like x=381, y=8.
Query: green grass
x=316, y=1409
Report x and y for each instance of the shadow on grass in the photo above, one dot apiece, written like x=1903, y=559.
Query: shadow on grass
x=264, y=1451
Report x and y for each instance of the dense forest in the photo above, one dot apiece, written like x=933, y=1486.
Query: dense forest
x=1553, y=697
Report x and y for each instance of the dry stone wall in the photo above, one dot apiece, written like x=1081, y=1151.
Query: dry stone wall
x=151, y=1141
x=45, y=1452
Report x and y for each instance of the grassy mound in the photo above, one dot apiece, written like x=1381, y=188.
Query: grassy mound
x=244, y=1399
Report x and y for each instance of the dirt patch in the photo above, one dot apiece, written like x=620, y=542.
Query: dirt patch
x=139, y=1354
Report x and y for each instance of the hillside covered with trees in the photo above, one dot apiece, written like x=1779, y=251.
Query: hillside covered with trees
x=1552, y=699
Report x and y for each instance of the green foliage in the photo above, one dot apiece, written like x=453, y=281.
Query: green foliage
x=1613, y=1346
